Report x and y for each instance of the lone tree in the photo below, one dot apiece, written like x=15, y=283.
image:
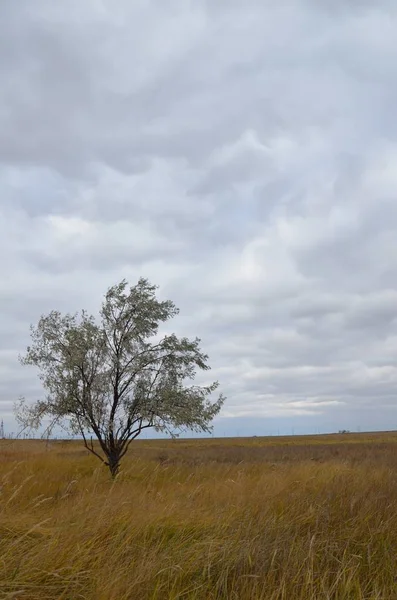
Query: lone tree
x=114, y=379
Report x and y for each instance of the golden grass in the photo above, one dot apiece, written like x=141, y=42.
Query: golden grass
x=262, y=518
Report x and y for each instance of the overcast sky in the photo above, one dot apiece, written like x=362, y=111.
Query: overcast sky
x=240, y=154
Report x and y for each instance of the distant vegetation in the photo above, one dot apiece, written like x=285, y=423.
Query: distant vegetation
x=305, y=518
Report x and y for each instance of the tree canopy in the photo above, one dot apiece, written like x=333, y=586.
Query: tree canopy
x=113, y=377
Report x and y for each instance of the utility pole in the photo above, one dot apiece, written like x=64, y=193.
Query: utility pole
x=2, y=430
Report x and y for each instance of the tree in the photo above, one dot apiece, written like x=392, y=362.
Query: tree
x=114, y=379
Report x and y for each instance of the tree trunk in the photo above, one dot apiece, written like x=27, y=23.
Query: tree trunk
x=113, y=464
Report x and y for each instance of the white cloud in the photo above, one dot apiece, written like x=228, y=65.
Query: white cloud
x=242, y=157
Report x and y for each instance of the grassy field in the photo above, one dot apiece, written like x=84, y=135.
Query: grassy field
x=261, y=518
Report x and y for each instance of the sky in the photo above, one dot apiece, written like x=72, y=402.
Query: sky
x=240, y=155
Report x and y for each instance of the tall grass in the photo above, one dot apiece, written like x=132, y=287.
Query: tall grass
x=298, y=518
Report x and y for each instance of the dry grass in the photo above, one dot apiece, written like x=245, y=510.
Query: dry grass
x=262, y=518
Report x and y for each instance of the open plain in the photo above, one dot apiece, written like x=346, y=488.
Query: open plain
x=278, y=518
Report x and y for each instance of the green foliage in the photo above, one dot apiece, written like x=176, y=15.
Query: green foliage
x=116, y=378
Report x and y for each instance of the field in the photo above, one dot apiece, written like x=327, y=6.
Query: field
x=261, y=518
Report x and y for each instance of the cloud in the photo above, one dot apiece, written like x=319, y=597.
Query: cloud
x=241, y=157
